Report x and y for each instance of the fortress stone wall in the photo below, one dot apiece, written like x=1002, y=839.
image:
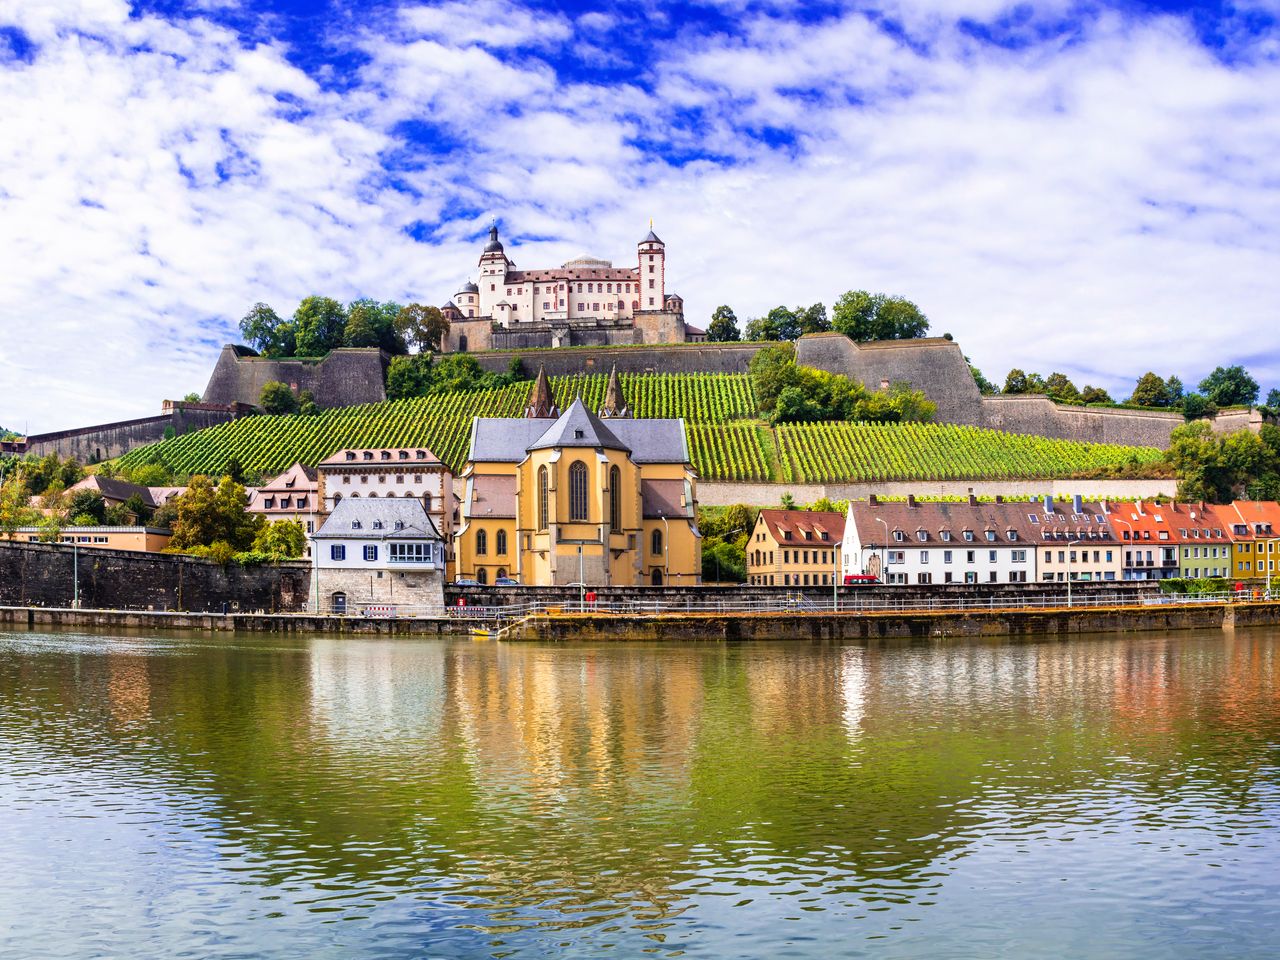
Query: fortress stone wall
x=672, y=358
x=345, y=378
x=107, y=440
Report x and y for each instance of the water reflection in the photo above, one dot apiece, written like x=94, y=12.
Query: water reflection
x=475, y=799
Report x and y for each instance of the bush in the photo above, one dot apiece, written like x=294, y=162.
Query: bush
x=276, y=397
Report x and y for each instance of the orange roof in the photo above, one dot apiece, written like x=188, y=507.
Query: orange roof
x=1249, y=519
x=1147, y=522
x=790, y=526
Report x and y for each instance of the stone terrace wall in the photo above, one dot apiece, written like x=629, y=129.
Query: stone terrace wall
x=718, y=494
x=104, y=441
x=37, y=574
x=345, y=378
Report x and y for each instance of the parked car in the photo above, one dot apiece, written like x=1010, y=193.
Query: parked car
x=506, y=582
x=860, y=579
x=466, y=582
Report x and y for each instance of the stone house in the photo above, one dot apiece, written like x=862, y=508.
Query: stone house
x=378, y=551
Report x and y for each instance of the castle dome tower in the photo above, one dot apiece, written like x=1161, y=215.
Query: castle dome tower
x=615, y=405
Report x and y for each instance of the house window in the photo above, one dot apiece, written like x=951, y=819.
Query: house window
x=482, y=542
x=578, y=491
x=542, y=498
x=409, y=552
x=370, y=554
x=500, y=541
x=615, y=500
x=337, y=552
x=655, y=543
x=482, y=575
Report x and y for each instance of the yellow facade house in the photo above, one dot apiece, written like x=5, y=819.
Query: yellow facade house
x=555, y=499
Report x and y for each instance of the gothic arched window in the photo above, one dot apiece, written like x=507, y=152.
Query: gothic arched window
x=501, y=542
x=482, y=542
x=655, y=543
x=543, y=498
x=615, y=500
x=578, y=491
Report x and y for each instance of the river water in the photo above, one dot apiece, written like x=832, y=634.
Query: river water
x=326, y=798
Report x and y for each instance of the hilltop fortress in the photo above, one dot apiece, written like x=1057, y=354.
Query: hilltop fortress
x=583, y=303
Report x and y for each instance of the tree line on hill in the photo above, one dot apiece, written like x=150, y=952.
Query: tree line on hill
x=320, y=324
x=859, y=315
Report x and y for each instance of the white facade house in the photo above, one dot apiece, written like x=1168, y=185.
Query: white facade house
x=914, y=542
x=414, y=473
x=378, y=551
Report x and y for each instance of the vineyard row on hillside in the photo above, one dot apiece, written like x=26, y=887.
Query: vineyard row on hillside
x=723, y=444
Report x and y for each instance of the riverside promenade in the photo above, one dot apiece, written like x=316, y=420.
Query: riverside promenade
x=805, y=621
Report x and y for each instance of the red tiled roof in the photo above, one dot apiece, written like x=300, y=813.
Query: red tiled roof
x=798, y=522
x=493, y=496
x=416, y=456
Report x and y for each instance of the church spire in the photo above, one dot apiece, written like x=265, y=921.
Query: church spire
x=541, y=406
x=615, y=405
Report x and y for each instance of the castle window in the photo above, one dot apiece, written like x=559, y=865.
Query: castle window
x=501, y=543
x=595, y=307
x=386, y=454
x=651, y=301
x=404, y=454
x=399, y=478
x=615, y=500
x=426, y=502
x=609, y=287
x=582, y=306
x=635, y=304
x=579, y=288
x=368, y=454
x=482, y=543
x=542, y=498
x=578, y=491
x=546, y=304
x=650, y=283
x=655, y=543
x=651, y=271
x=591, y=288
x=351, y=454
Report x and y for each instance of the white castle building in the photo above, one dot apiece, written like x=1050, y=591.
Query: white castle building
x=585, y=302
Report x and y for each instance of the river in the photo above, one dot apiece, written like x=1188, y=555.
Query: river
x=316, y=797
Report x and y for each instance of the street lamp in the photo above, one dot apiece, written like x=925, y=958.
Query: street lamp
x=884, y=555
x=666, y=558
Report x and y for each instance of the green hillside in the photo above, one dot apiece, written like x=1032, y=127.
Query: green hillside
x=725, y=443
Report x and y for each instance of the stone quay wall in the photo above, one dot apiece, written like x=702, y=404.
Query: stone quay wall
x=44, y=575
x=346, y=377
x=725, y=494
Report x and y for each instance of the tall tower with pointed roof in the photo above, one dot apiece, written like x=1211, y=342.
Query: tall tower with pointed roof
x=541, y=405
x=615, y=405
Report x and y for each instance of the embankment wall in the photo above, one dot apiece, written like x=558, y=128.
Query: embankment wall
x=722, y=494
x=107, y=440
x=44, y=575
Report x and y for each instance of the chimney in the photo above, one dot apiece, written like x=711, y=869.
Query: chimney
x=1077, y=504
x=872, y=500
x=911, y=499
x=999, y=498
x=973, y=500
x=1048, y=503
x=1141, y=511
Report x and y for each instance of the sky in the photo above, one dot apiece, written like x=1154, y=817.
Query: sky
x=1091, y=188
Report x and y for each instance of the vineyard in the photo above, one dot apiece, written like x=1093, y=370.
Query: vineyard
x=724, y=442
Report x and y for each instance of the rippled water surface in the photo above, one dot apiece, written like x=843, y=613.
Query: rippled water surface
x=250, y=797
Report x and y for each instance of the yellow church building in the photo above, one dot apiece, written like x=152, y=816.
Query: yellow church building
x=555, y=499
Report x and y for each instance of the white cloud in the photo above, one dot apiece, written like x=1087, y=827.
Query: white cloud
x=1099, y=206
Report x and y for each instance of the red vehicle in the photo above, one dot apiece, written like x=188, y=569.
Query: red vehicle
x=860, y=579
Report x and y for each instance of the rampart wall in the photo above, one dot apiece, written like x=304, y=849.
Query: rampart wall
x=669, y=358
x=107, y=440
x=345, y=378
x=38, y=574
x=725, y=494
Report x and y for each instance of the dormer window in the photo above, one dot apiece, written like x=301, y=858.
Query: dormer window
x=808, y=534
x=921, y=535
x=355, y=524
x=422, y=455
x=946, y=535
x=899, y=536
x=1012, y=534
x=368, y=455
x=824, y=535
x=351, y=455
x=578, y=435
x=786, y=534
x=399, y=524
x=386, y=454
x=404, y=454
x=991, y=535
x=377, y=524
x=968, y=535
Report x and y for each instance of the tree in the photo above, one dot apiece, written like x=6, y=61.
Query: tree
x=779, y=324
x=319, y=324
x=408, y=377
x=276, y=397
x=812, y=319
x=207, y=515
x=281, y=540
x=1273, y=398
x=1150, y=391
x=772, y=369
x=1197, y=405
x=863, y=316
x=1059, y=387
x=724, y=326
x=985, y=386
x=14, y=509
x=307, y=405
x=421, y=326
x=264, y=330
x=373, y=324
x=191, y=398
x=788, y=501
x=1230, y=387
x=87, y=508
x=1176, y=390
x=1094, y=395
x=1016, y=381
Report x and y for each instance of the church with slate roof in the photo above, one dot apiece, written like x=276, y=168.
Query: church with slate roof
x=556, y=498
x=585, y=302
